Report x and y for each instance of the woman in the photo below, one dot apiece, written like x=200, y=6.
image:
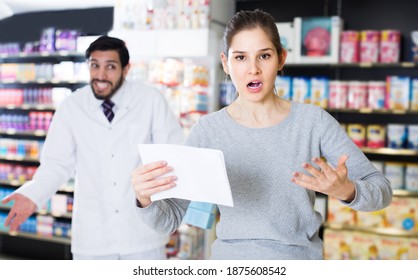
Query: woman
x=268, y=144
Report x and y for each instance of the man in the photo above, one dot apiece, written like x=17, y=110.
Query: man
x=94, y=135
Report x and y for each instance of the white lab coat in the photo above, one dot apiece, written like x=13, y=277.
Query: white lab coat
x=103, y=156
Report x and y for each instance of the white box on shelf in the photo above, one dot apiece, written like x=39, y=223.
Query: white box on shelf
x=317, y=39
x=287, y=34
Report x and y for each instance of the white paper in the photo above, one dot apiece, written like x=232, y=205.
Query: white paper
x=201, y=173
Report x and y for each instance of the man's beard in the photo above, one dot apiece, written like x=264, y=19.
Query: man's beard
x=114, y=90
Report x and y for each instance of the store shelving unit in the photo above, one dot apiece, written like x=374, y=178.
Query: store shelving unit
x=44, y=246
x=200, y=46
x=359, y=15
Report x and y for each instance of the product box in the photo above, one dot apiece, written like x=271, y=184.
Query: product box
x=317, y=39
x=364, y=246
x=395, y=173
x=357, y=133
x=373, y=219
x=376, y=135
x=401, y=213
x=301, y=89
x=337, y=245
x=369, y=46
x=398, y=93
x=390, y=45
x=283, y=85
x=411, y=177
x=200, y=214
x=393, y=248
x=340, y=214
x=414, y=94
x=349, y=46
x=287, y=34
x=338, y=94
x=320, y=91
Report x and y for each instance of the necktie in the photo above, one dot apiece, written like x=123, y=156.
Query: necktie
x=107, y=109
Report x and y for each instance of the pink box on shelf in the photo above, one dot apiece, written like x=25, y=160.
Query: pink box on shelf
x=390, y=45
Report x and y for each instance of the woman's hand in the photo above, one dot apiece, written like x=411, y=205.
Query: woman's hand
x=148, y=179
x=327, y=180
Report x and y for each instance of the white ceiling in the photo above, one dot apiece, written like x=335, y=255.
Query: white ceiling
x=12, y=7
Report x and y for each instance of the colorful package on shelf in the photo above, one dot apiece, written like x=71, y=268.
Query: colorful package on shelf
x=376, y=135
x=301, y=89
x=349, y=46
x=200, y=214
x=283, y=85
x=376, y=93
x=61, y=229
x=374, y=219
x=412, y=137
x=337, y=245
x=30, y=225
x=364, y=246
x=44, y=225
x=402, y=213
x=340, y=214
x=398, y=93
x=287, y=38
x=390, y=45
x=338, y=94
x=320, y=91
x=414, y=45
x=227, y=93
x=397, y=135
x=317, y=39
x=369, y=46
x=414, y=93
x=59, y=204
x=393, y=248
x=357, y=95
x=395, y=173
x=411, y=177
x=357, y=133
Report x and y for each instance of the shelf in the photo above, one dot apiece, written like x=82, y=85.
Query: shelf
x=28, y=107
x=20, y=159
x=14, y=132
x=42, y=82
x=405, y=64
x=373, y=111
x=43, y=213
x=60, y=55
x=12, y=183
x=389, y=151
x=60, y=240
x=380, y=231
x=405, y=193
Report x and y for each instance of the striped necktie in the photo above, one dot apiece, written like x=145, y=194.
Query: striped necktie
x=107, y=109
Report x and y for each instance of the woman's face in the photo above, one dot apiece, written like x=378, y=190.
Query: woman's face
x=252, y=64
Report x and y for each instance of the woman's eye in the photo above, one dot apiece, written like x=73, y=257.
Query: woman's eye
x=264, y=56
x=239, y=57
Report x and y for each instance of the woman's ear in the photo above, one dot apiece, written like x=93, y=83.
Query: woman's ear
x=282, y=59
x=224, y=60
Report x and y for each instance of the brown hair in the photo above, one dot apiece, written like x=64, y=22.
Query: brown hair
x=245, y=20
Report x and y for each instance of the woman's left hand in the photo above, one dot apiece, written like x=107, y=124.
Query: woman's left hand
x=327, y=180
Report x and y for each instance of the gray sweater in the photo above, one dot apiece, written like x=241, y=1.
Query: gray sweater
x=272, y=217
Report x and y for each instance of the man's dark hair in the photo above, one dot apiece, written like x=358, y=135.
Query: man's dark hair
x=106, y=43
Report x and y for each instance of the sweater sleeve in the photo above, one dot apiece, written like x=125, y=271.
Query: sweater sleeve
x=165, y=216
x=373, y=190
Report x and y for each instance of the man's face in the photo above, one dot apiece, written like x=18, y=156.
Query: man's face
x=106, y=73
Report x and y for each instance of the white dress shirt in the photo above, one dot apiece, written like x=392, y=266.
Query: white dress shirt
x=103, y=155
